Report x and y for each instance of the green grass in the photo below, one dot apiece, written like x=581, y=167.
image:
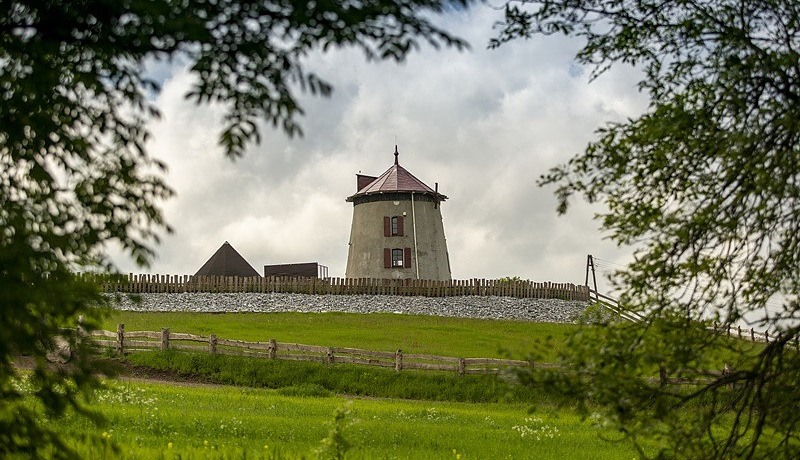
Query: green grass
x=153, y=421
x=339, y=378
x=442, y=336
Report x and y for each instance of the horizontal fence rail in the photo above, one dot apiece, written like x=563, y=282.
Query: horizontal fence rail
x=129, y=341
x=752, y=335
x=613, y=306
x=146, y=283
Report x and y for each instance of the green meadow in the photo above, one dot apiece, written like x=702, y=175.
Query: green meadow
x=459, y=337
x=314, y=378
x=282, y=409
x=159, y=421
x=275, y=409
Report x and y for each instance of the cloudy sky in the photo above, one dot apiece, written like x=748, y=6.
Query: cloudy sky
x=484, y=124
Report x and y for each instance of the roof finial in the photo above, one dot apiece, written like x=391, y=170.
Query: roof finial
x=396, y=154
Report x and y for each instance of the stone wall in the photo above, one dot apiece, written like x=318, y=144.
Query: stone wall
x=539, y=310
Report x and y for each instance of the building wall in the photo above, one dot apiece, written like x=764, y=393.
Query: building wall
x=307, y=270
x=367, y=241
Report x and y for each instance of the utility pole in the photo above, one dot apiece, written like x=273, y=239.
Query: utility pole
x=590, y=266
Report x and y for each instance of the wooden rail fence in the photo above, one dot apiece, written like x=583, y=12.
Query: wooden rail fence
x=145, y=283
x=126, y=341
x=752, y=335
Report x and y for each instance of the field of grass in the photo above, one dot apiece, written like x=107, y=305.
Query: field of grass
x=161, y=421
x=339, y=378
x=434, y=335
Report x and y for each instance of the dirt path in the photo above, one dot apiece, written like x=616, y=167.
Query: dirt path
x=131, y=373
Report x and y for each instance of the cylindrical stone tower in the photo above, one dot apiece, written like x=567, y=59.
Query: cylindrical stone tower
x=397, y=229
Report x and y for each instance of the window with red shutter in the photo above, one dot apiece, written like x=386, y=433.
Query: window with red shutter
x=387, y=226
x=407, y=258
x=387, y=258
x=397, y=258
x=400, y=222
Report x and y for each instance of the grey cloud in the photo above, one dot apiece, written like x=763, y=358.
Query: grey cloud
x=484, y=124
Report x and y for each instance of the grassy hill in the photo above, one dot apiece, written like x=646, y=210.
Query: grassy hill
x=444, y=336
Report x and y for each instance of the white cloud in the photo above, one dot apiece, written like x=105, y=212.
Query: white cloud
x=484, y=124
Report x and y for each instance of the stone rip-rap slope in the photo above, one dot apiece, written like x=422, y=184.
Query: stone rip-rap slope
x=539, y=310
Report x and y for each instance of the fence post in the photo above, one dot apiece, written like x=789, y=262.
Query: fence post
x=766, y=336
x=212, y=344
x=398, y=361
x=272, y=348
x=739, y=328
x=726, y=372
x=752, y=335
x=120, y=339
x=715, y=327
x=330, y=357
x=164, y=339
x=80, y=332
x=662, y=376
x=461, y=366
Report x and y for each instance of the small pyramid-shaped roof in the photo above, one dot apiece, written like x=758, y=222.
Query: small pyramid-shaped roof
x=226, y=262
x=396, y=179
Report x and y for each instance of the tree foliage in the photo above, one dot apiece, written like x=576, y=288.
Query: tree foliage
x=75, y=175
x=706, y=186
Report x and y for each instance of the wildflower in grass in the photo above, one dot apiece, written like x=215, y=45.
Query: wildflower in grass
x=535, y=428
x=169, y=445
x=22, y=385
x=598, y=420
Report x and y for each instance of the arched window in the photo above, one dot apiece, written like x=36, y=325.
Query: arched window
x=397, y=258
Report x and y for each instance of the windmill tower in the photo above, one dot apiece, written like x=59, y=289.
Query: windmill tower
x=397, y=229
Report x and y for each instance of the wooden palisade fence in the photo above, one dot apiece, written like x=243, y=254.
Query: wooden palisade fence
x=127, y=341
x=143, y=283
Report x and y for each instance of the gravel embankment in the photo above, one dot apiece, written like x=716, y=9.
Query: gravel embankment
x=539, y=310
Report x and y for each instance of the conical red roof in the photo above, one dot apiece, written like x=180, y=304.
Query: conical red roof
x=226, y=262
x=396, y=179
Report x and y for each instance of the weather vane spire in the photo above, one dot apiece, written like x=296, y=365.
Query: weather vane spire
x=396, y=154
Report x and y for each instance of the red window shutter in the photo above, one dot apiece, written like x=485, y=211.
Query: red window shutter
x=387, y=226
x=400, y=220
x=387, y=258
x=407, y=258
